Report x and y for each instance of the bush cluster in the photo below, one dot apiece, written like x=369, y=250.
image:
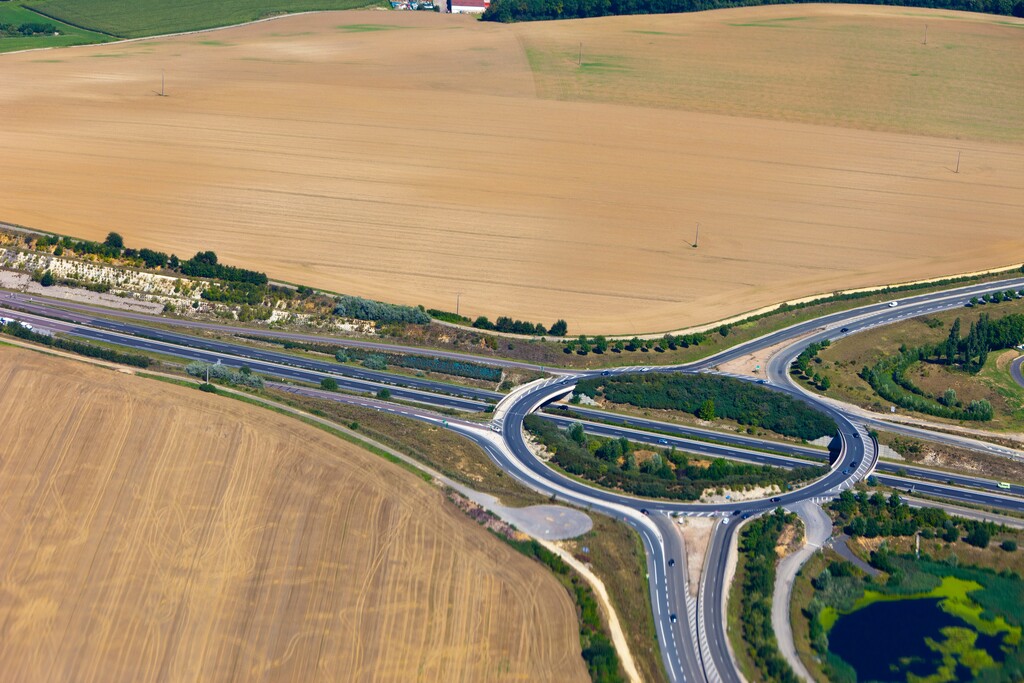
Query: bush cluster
x=225, y=374
x=744, y=402
x=367, y=309
x=873, y=516
x=506, y=324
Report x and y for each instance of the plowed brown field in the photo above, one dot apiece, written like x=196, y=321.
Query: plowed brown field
x=153, y=533
x=410, y=157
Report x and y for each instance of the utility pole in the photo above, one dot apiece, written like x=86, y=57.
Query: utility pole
x=696, y=237
x=458, y=298
x=957, y=162
x=579, y=60
x=925, y=41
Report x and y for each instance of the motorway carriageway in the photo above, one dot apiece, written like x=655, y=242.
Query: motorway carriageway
x=736, y=447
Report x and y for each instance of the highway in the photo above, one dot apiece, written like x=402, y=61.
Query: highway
x=693, y=649
x=1015, y=371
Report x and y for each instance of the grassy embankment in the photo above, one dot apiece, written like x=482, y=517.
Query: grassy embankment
x=843, y=360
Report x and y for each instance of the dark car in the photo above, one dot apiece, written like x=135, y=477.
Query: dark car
x=747, y=515
x=846, y=471
x=643, y=511
x=605, y=373
x=672, y=563
x=672, y=618
x=762, y=381
x=856, y=435
x=736, y=512
x=776, y=499
x=854, y=463
x=845, y=330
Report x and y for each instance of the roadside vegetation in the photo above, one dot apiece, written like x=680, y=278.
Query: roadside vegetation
x=757, y=648
x=712, y=396
x=655, y=473
x=16, y=329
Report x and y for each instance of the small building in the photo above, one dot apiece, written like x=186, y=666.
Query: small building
x=469, y=6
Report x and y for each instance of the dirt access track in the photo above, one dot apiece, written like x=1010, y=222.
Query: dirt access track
x=411, y=157
x=155, y=533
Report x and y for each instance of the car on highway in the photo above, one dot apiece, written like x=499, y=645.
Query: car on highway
x=725, y=521
x=672, y=562
x=643, y=511
x=1004, y=485
x=736, y=512
x=845, y=330
x=856, y=435
x=673, y=618
x=663, y=442
x=645, y=369
x=747, y=515
x=605, y=373
x=776, y=499
x=762, y=381
x=894, y=304
x=854, y=463
x=846, y=471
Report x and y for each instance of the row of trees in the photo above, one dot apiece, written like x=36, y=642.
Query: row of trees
x=744, y=402
x=757, y=546
x=804, y=366
x=600, y=344
x=447, y=366
x=667, y=473
x=505, y=324
x=985, y=335
x=534, y=10
x=31, y=28
x=81, y=348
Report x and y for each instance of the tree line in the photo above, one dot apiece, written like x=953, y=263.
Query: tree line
x=600, y=344
x=757, y=546
x=137, y=360
x=32, y=28
x=536, y=10
x=666, y=473
x=747, y=403
x=505, y=324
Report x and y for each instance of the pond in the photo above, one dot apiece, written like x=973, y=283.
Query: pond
x=885, y=641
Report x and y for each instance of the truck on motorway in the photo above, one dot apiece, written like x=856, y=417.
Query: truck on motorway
x=1004, y=485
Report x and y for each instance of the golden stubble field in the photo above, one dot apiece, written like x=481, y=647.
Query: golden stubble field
x=411, y=157
x=154, y=533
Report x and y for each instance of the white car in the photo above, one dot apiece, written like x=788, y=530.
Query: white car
x=893, y=304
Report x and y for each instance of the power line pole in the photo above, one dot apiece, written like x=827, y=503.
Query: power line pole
x=579, y=60
x=696, y=237
x=925, y=41
x=458, y=298
x=957, y=162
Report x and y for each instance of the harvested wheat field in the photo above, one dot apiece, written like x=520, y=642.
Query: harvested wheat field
x=410, y=157
x=154, y=533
